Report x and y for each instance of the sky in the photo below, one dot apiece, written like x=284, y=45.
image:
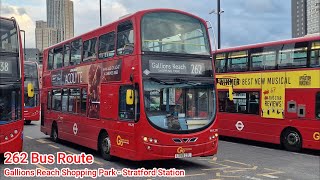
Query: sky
x=242, y=22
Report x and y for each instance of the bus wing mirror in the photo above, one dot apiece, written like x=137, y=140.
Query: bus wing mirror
x=129, y=96
x=230, y=93
x=30, y=90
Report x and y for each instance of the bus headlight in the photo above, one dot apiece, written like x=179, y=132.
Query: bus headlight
x=15, y=131
x=6, y=138
x=145, y=139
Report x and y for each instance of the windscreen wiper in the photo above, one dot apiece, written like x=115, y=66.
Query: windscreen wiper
x=180, y=80
x=160, y=81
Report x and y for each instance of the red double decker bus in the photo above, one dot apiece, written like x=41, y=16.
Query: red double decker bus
x=139, y=88
x=11, y=86
x=31, y=104
x=270, y=92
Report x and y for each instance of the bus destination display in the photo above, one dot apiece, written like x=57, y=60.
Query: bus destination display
x=177, y=67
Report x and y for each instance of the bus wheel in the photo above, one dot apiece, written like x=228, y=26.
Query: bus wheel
x=28, y=122
x=105, y=146
x=54, y=133
x=291, y=140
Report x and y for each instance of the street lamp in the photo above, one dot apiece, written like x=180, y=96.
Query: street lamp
x=218, y=12
x=24, y=41
x=100, y=14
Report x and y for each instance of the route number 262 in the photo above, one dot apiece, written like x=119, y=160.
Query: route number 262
x=16, y=158
x=196, y=69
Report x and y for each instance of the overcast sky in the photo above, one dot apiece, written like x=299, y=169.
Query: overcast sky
x=243, y=21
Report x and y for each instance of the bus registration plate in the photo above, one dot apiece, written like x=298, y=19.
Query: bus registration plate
x=183, y=155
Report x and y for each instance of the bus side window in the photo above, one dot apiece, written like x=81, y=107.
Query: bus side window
x=89, y=49
x=49, y=100
x=66, y=55
x=125, y=38
x=237, y=61
x=57, y=58
x=84, y=101
x=50, y=59
x=220, y=63
x=106, y=45
x=74, y=100
x=315, y=54
x=125, y=111
x=293, y=55
x=318, y=105
x=56, y=100
x=64, y=103
x=75, y=57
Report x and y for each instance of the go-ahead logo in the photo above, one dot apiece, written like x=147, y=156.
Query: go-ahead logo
x=316, y=136
x=121, y=141
x=181, y=150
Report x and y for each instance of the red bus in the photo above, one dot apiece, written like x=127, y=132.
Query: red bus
x=140, y=88
x=11, y=87
x=270, y=92
x=31, y=104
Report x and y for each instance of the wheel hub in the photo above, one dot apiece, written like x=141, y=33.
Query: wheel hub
x=293, y=138
x=106, y=145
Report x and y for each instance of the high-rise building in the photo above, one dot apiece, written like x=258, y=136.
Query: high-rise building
x=298, y=14
x=45, y=36
x=60, y=16
x=305, y=17
x=313, y=16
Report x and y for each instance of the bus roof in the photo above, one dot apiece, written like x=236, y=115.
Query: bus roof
x=121, y=19
x=266, y=44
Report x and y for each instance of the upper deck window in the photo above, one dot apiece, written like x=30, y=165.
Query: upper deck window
x=9, y=36
x=174, y=33
x=76, y=52
x=106, y=45
x=89, y=49
x=57, y=57
x=293, y=55
x=125, y=39
x=237, y=61
x=220, y=63
x=315, y=54
x=263, y=59
x=66, y=54
x=50, y=59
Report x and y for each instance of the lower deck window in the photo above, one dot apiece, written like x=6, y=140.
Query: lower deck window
x=243, y=102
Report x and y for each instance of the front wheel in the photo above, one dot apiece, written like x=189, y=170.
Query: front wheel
x=105, y=146
x=291, y=140
x=54, y=133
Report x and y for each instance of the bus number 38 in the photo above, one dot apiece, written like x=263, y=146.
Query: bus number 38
x=196, y=69
x=4, y=66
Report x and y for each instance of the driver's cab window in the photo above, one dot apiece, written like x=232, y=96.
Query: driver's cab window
x=125, y=38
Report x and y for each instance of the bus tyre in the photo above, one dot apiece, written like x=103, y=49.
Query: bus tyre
x=27, y=122
x=54, y=133
x=291, y=140
x=105, y=146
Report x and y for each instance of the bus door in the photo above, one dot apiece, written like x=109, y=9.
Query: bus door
x=115, y=108
x=70, y=112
